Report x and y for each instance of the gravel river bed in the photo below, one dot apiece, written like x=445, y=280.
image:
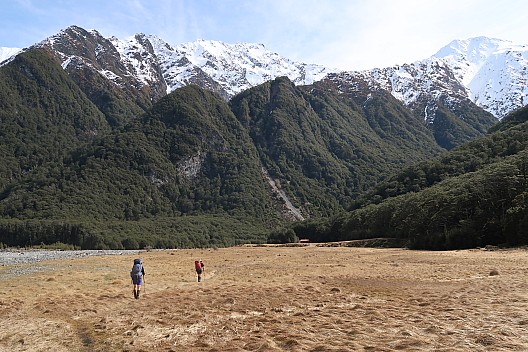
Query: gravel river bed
x=15, y=262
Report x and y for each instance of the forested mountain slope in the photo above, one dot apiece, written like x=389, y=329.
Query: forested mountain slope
x=188, y=168
x=474, y=195
x=43, y=115
x=188, y=155
x=325, y=150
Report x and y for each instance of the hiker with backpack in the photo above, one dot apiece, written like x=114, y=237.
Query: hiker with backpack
x=137, y=274
x=200, y=268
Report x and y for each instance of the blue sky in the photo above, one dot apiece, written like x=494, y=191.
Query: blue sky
x=351, y=35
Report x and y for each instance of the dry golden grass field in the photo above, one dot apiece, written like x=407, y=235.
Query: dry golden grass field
x=263, y=298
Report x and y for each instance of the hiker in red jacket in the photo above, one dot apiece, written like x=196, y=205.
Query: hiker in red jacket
x=200, y=268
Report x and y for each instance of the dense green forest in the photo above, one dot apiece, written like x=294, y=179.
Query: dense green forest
x=43, y=115
x=64, y=162
x=202, y=231
x=88, y=164
x=474, y=195
x=323, y=148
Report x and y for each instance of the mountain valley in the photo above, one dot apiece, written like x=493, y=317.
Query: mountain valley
x=215, y=144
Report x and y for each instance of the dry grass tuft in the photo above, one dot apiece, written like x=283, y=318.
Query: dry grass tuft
x=263, y=298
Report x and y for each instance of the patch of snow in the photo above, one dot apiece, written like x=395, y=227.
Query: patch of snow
x=8, y=54
x=109, y=75
x=66, y=62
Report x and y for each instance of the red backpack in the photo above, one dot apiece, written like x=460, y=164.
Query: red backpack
x=198, y=264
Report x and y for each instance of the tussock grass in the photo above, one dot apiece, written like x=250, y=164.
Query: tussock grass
x=269, y=298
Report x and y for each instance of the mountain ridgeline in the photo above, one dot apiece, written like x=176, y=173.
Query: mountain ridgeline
x=94, y=164
x=323, y=148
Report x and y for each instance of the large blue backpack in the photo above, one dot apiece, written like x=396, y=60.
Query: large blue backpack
x=137, y=270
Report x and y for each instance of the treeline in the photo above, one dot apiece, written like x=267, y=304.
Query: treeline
x=484, y=207
x=179, y=232
x=474, y=195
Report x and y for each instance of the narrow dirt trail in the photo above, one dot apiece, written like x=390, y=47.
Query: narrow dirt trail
x=273, y=299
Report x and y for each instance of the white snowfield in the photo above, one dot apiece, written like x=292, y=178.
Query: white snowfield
x=236, y=67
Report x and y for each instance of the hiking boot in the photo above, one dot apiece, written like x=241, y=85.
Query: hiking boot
x=137, y=295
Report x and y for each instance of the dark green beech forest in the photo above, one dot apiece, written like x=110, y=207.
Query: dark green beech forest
x=474, y=195
x=86, y=165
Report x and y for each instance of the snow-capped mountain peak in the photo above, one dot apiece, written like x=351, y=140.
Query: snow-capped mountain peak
x=225, y=68
x=235, y=67
x=490, y=72
x=493, y=71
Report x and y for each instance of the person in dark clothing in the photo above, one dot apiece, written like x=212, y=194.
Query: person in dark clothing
x=137, y=275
